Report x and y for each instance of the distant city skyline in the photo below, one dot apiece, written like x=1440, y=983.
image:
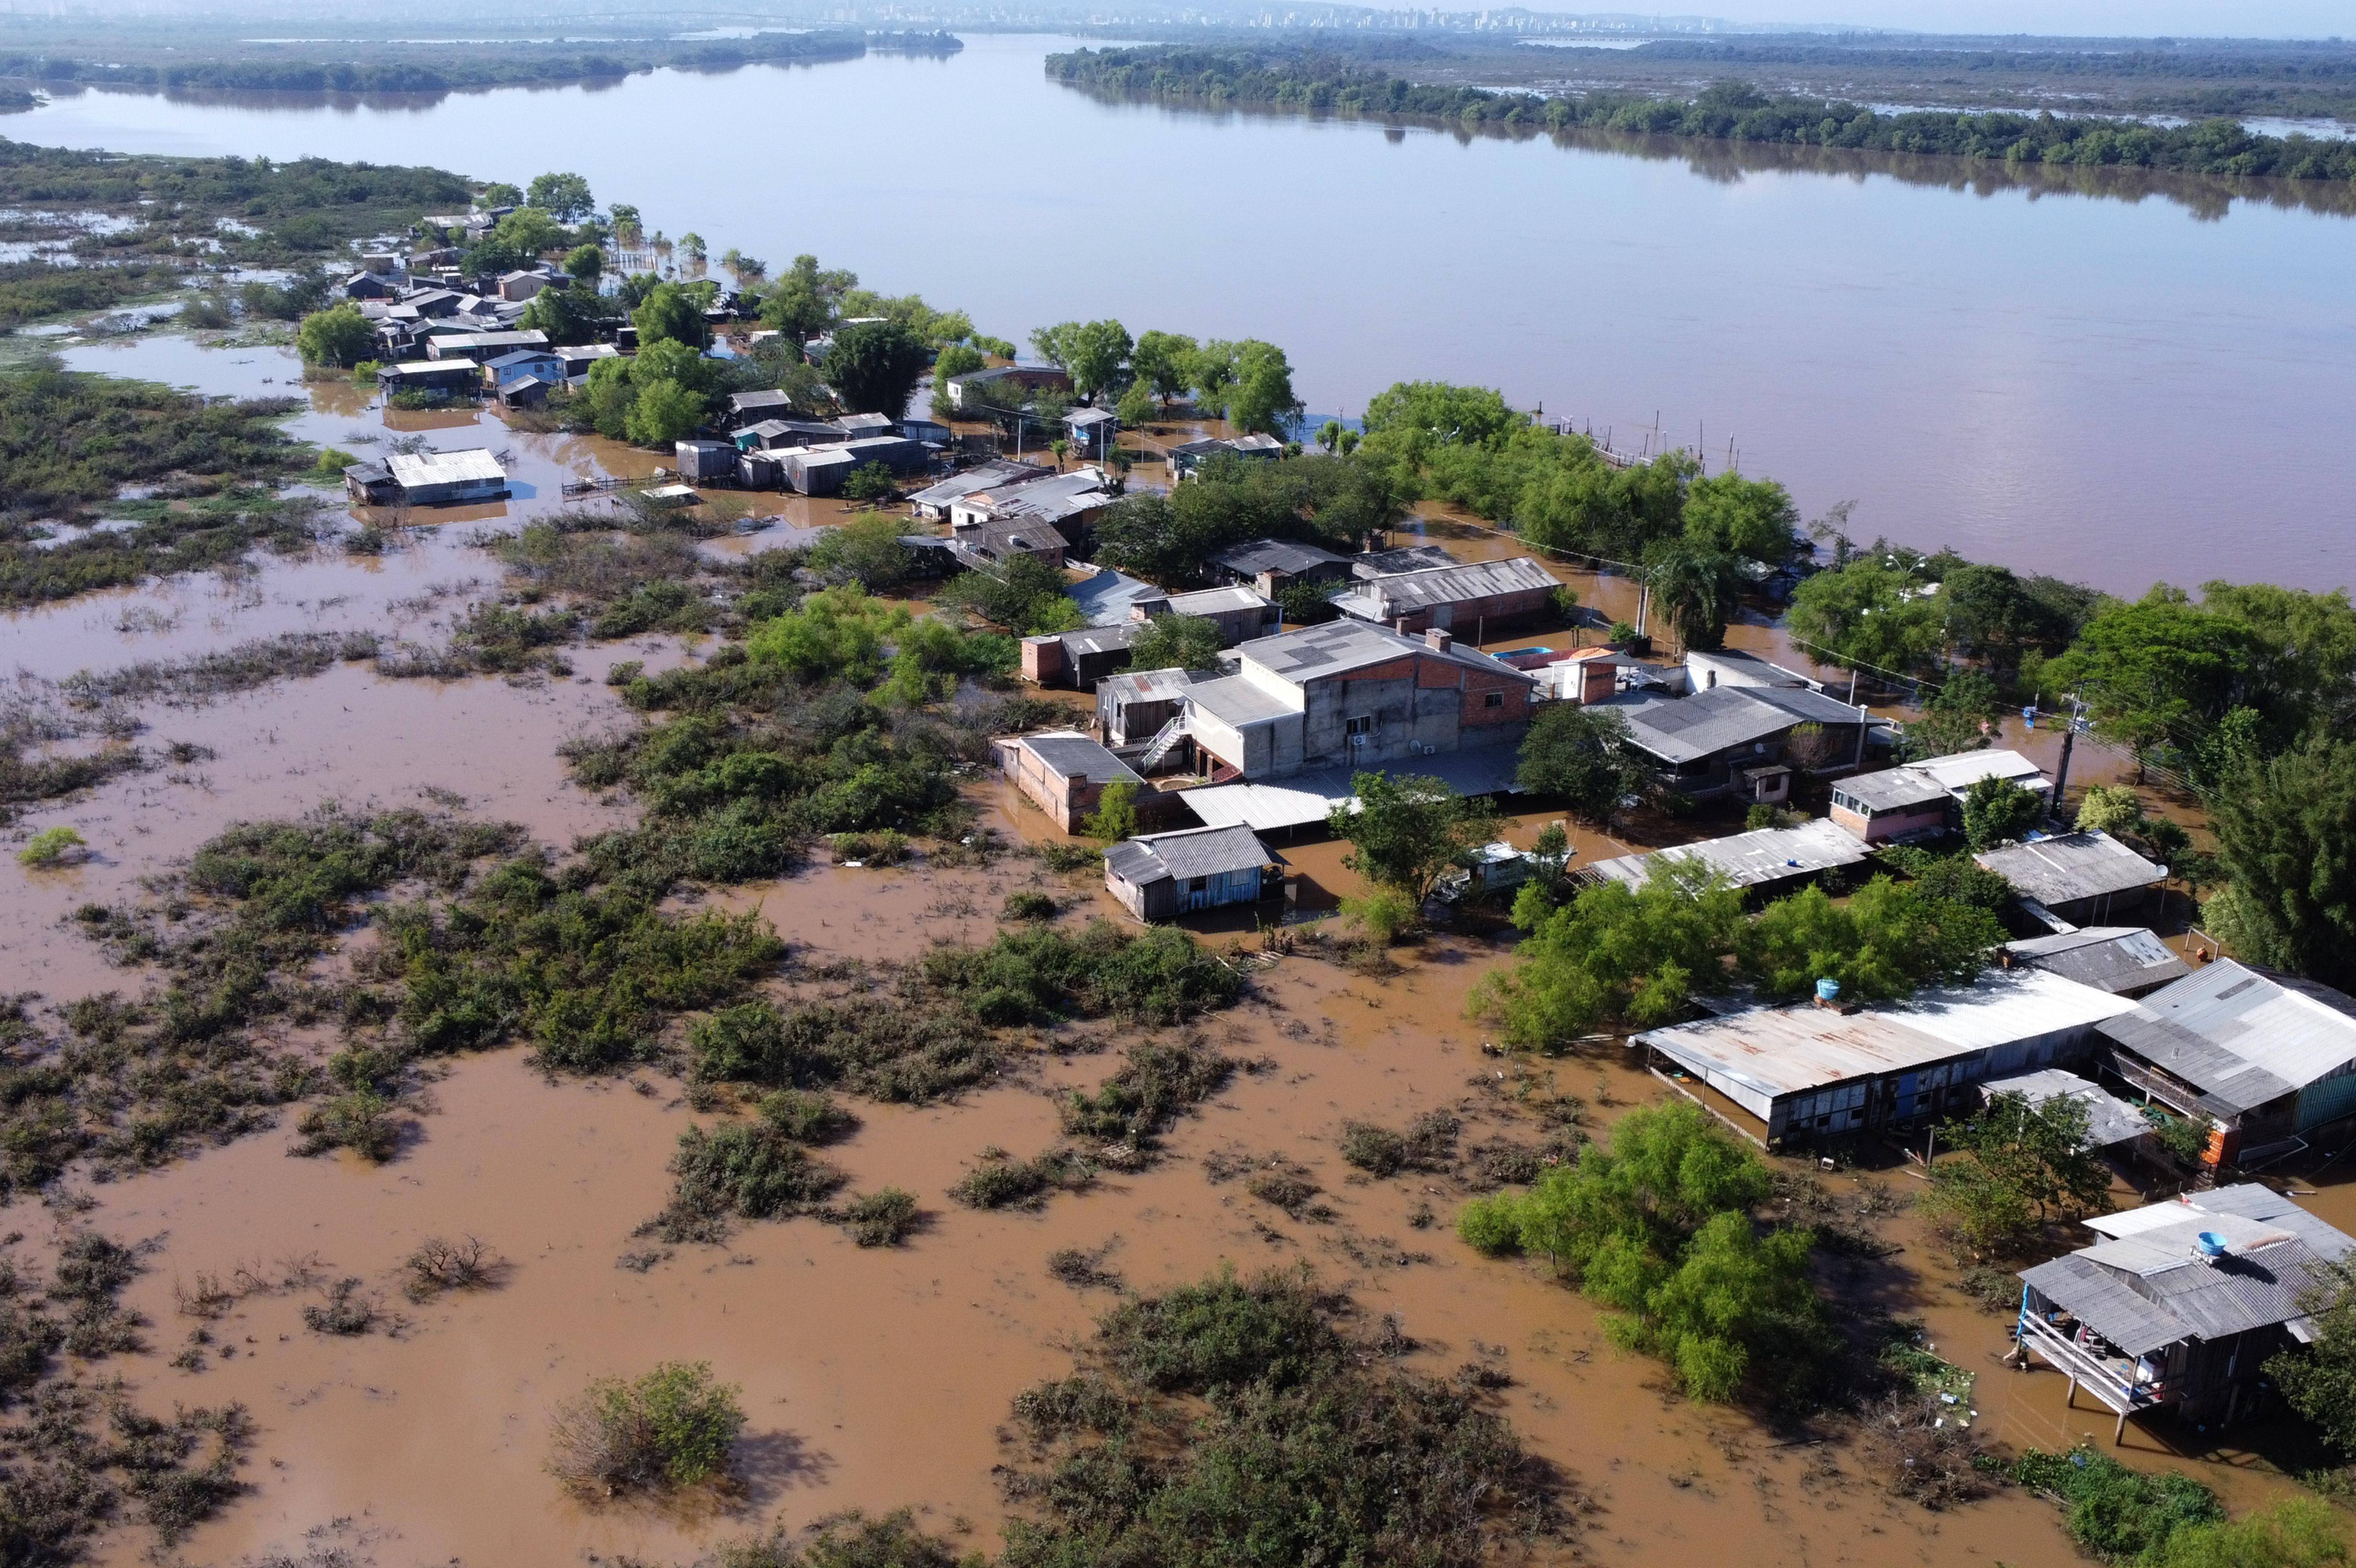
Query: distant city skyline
x=2079, y=19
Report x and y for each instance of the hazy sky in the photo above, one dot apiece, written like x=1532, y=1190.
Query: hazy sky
x=2135, y=18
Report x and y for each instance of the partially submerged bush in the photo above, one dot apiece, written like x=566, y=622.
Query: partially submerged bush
x=1024, y=904
x=1925, y=1450
x=343, y=1307
x=51, y=846
x=750, y=1170
x=1235, y=1421
x=1158, y=1081
x=361, y=1121
x=2118, y=1514
x=910, y=1053
x=881, y=1218
x=1428, y=1144
x=1002, y=1181
x=438, y=1266
x=673, y=1428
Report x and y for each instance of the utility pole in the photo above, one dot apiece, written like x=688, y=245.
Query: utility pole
x=2069, y=737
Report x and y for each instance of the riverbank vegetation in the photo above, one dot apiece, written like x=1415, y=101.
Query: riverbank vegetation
x=1319, y=80
x=414, y=68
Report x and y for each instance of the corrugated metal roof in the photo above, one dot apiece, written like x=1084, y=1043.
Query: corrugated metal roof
x=1893, y=789
x=1337, y=647
x=1427, y=587
x=1274, y=555
x=1687, y=728
x=1958, y=770
x=1093, y=639
x=1747, y=860
x=1146, y=685
x=1306, y=797
x=2072, y=866
x=411, y=470
x=1190, y=852
x=2113, y=957
x=2147, y=1284
x=2109, y=1119
x=1376, y=563
x=2240, y=1036
x=1784, y=1050
x=1234, y=699
x=1216, y=601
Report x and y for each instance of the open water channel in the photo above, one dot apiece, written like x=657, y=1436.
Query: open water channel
x=2119, y=387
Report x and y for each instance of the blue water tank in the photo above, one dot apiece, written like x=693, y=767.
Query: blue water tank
x=2210, y=1243
x=1828, y=991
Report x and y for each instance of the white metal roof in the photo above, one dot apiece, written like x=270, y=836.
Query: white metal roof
x=1958, y=770
x=1747, y=860
x=2072, y=866
x=411, y=469
x=1215, y=601
x=1774, y=1051
x=2241, y=1037
x=2109, y=1119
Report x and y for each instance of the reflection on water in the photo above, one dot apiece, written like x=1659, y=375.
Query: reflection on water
x=2073, y=372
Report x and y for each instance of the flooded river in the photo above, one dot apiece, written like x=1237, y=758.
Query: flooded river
x=2117, y=388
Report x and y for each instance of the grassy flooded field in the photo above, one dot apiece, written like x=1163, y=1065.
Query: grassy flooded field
x=602, y=1062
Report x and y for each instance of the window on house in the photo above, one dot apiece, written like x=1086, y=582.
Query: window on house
x=1364, y=724
x=1493, y=699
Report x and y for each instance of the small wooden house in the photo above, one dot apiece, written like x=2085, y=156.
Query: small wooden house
x=1160, y=876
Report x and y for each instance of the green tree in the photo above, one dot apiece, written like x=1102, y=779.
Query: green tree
x=584, y=263
x=870, y=482
x=664, y=413
x=499, y=194
x=2155, y=671
x=1116, y=815
x=564, y=198
x=1435, y=413
x=957, y=360
x=2296, y=1532
x=1729, y=514
x=1998, y=811
x=866, y=550
x=746, y=269
x=1582, y=756
x=566, y=315
x=1165, y=362
x=1092, y=353
x=2015, y=1168
x=1874, y=611
x=1023, y=594
x=1176, y=642
x=1959, y=718
x=690, y=245
x=803, y=305
x=339, y=336
x=1884, y=942
x=2114, y=809
x=1656, y=1226
x=1260, y=397
x=626, y=224
x=668, y=312
x=674, y=1427
x=1136, y=406
x=873, y=367
x=1405, y=830
x=1699, y=589
x=2319, y=1379
x=2285, y=830
x=1613, y=953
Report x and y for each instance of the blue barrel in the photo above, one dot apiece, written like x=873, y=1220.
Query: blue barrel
x=1828, y=991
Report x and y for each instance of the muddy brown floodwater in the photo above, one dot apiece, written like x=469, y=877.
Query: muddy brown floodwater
x=871, y=1378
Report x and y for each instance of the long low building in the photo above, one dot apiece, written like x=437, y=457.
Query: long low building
x=2077, y=879
x=1804, y=1074
x=1467, y=596
x=1767, y=859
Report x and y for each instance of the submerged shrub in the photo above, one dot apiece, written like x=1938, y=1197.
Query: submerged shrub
x=50, y=846
x=1002, y=1181
x=673, y=1427
x=881, y=1218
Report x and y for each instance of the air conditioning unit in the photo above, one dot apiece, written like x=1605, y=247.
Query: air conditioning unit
x=1360, y=740
x=1430, y=749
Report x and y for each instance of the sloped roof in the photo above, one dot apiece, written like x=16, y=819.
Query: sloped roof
x=1893, y=789
x=2148, y=1284
x=1687, y=728
x=1191, y=852
x=1380, y=598
x=2113, y=957
x=1215, y=601
x=2109, y=1119
x=1747, y=860
x=411, y=470
x=2070, y=866
x=1257, y=556
x=2241, y=1037
x=1958, y=770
